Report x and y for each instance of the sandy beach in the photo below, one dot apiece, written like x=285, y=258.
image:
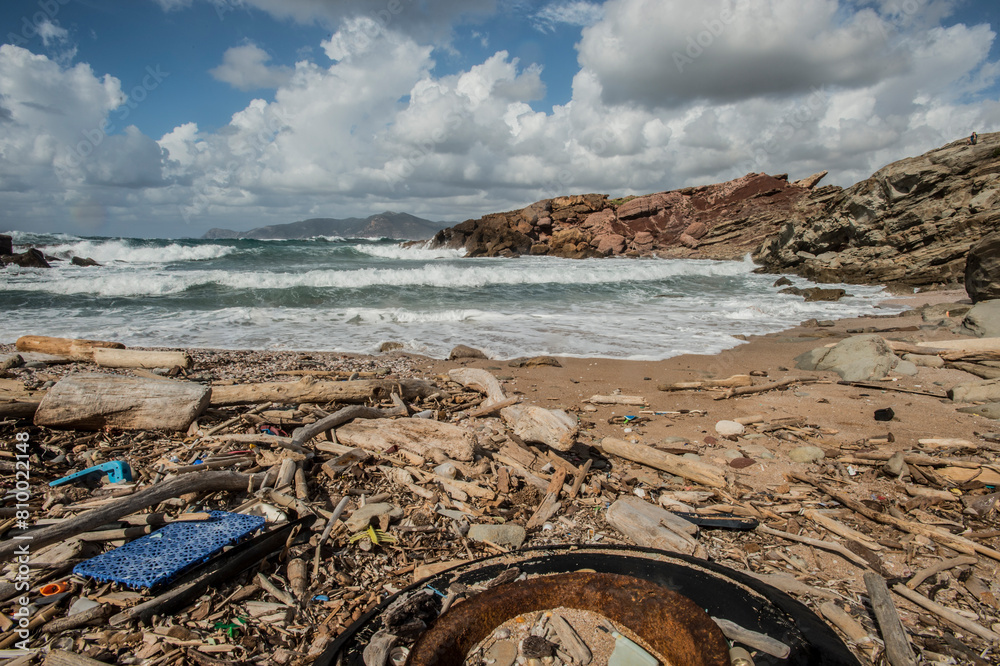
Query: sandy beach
x=816, y=411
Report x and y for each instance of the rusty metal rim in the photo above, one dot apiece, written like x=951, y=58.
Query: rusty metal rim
x=670, y=623
x=813, y=642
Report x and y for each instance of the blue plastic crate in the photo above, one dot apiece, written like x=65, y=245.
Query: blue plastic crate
x=159, y=557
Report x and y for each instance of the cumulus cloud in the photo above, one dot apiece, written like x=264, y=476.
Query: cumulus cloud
x=567, y=12
x=245, y=68
x=666, y=52
x=372, y=124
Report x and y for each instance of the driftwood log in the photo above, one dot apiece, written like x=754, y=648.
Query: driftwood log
x=728, y=383
x=417, y=435
x=77, y=350
x=650, y=526
x=189, y=483
x=693, y=470
x=897, y=646
x=93, y=401
x=18, y=410
x=134, y=358
x=308, y=389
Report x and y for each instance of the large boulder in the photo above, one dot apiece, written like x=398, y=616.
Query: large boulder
x=32, y=258
x=982, y=269
x=983, y=320
x=861, y=358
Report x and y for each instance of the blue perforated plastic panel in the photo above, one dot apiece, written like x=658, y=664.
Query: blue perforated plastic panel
x=162, y=555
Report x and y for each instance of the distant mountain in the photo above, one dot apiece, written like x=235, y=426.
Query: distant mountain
x=384, y=225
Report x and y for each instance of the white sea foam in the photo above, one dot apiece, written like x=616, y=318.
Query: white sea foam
x=117, y=250
x=414, y=252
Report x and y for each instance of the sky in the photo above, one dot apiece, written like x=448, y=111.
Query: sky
x=164, y=118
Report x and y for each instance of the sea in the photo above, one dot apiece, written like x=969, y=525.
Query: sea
x=352, y=295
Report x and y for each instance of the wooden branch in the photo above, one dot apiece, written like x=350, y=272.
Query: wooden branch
x=847, y=624
x=18, y=410
x=890, y=387
x=493, y=407
x=81, y=619
x=309, y=390
x=736, y=381
x=550, y=503
x=953, y=541
x=699, y=472
x=340, y=417
x=753, y=639
x=633, y=400
x=840, y=529
x=760, y=388
x=897, y=645
x=818, y=543
x=945, y=613
x=209, y=481
x=63, y=658
x=479, y=380
x=943, y=565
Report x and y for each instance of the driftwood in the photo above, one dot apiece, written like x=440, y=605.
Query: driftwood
x=63, y=658
x=964, y=345
x=693, y=470
x=943, y=565
x=18, y=410
x=735, y=381
x=633, y=400
x=840, y=529
x=552, y=427
x=897, y=646
x=761, y=388
x=550, y=503
x=134, y=358
x=202, y=482
x=754, y=639
x=843, y=621
x=77, y=350
x=342, y=416
x=944, y=613
x=818, y=543
x=479, y=380
x=650, y=526
x=308, y=389
x=94, y=401
x=417, y=435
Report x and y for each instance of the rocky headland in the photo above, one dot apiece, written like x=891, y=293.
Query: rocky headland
x=912, y=222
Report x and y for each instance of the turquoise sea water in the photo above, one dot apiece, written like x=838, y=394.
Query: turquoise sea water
x=353, y=294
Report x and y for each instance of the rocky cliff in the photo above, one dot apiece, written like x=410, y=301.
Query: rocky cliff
x=722, y=221
x=912, y=222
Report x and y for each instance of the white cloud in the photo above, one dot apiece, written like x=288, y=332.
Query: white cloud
x=245, y=68
x=567, y=12
x=375, y=127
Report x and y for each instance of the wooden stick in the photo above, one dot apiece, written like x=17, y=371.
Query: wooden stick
x=953, y=541
x=89, y=616
x=63, y=658
x=340, y=417
x=943, y=565
x=309, y=390
x=550, y=503
x=890, y=387
x=493, y=407
x=581, y=476
x=735, y=381
x=760, y=388
x=209, y=481
x=754, y=639
x=847, y=624
x=818, y=543
x=897, y=646
x=699, y=472
x=236, y=419
x=944, y=613
x=840, y=529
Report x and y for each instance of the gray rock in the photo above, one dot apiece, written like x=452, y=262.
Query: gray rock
x=983, y=320
x=906, y=368
x=987, y=390
x=982, y=269
x=729, y=428
x=938, y=311
x=807, y=454
x=511, y=536
x=858, y=359
x=12, y=361
x=390, y=346
x=363, y=517
x=990, y=410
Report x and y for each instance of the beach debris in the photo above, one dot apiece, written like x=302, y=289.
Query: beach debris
x=356, y=519
x=117, y=471
x=734, y=381
x=91, y=401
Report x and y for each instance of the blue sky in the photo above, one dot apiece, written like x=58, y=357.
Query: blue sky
x=167, y=117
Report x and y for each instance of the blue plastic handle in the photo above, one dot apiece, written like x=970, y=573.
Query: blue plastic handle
x=117, y=471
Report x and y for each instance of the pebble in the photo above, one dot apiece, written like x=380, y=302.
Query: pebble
x=691, y=456
x=807, y=454
x=675, y=440
x=502, y=653
x=36, y=365
x=729, y=428
x=732, y=454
